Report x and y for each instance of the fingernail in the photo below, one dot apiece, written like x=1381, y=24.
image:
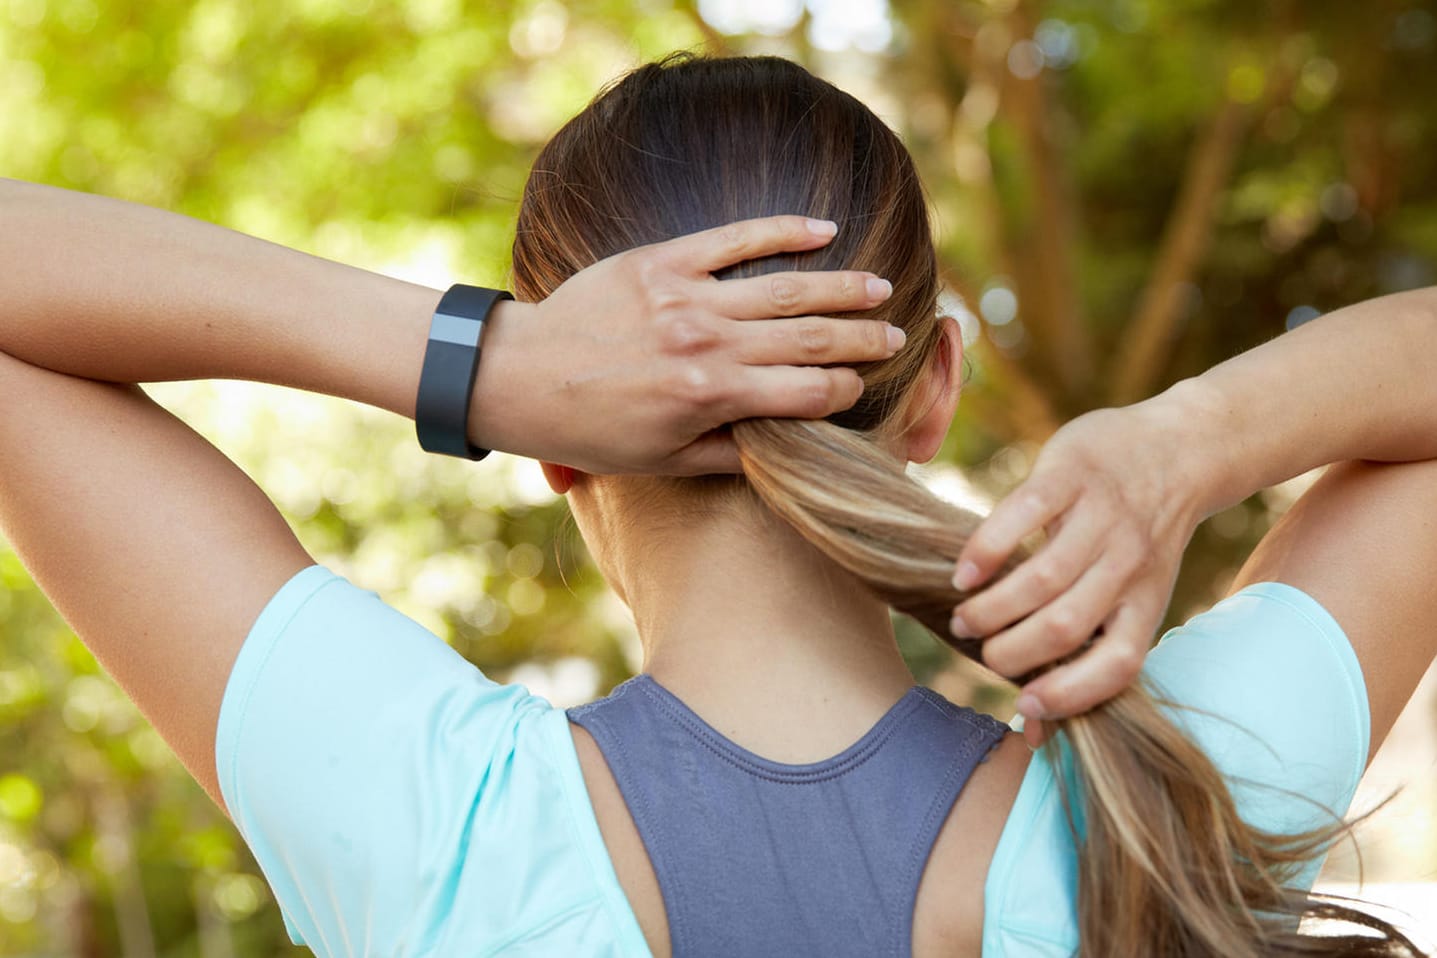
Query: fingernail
x=966, y=576
x=822, y=227
x=1030, y=707
x=896, y=339
x=959, y=628
x=879, y=289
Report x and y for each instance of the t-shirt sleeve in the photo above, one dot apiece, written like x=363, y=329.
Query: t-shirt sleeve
x=391, y=793
x=1269, y=686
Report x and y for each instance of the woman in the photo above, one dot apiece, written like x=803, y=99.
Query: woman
x=772, y=784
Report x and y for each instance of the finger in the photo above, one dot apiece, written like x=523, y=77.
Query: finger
x=1060, y=627
x=793, y=294
x=1035, y=733
x=792, y=392
x=713, y=452
x=1025, y=510
x=1040, y=579
x=815, y=340
x=1109, y=667
x=713, y=249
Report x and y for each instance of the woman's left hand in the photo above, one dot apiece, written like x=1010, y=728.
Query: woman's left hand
x=1119, y=496
x=633, y=363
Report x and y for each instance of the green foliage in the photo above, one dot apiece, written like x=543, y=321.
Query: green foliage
x=398, y=136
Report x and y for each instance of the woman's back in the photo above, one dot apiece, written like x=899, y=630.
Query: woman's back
x=1293, y=737
x=409, y=803
x=750, y=856
x=947, y=915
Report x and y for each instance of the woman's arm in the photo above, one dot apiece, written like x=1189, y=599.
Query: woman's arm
x=644, y=347
x=1124, y=490
x=157, y=550
x=160, y=553
x=113, y=291
x=1357, y=383
x=1363, y=543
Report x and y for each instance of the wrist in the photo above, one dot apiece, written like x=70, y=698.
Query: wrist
x=1203, y=440
x=506, y=384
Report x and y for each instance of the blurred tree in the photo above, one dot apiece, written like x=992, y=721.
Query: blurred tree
x=1126, y=190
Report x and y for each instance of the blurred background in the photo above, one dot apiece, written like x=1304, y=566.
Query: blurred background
x=1126, y=192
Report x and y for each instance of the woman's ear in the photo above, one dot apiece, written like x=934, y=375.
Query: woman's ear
x=561, y=478
x=942, y=383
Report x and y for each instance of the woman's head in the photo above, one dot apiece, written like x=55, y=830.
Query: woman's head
x=692, y=143
x=688, y=144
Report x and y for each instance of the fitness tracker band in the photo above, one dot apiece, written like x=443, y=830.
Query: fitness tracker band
x=451, y=359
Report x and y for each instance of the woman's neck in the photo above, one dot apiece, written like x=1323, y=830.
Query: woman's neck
x=763, y=636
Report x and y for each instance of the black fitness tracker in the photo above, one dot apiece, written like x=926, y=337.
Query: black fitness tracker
x=441, y=414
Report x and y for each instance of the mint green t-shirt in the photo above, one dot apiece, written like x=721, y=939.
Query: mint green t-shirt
x=400, y=803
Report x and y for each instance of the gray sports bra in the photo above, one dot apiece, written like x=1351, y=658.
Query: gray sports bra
x=755, y=857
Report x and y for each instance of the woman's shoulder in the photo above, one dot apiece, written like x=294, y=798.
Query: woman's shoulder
x=948, y=914
x=397, y=799
x=1267, y=685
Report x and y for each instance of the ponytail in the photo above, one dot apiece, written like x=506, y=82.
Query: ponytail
x=1166, y=865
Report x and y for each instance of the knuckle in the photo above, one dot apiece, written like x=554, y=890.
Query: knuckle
x=813, y=338
x=1047, y=576
x=1065, y=629
x=665, y=298
x=648, y=268
x=684, y=335
x=851, y=386
x=695, y=386
x=784, y=293
x=855, y=287
x=815, y=398
x=1126, y=662
x=733, y=241
x=876, y=334
x=1035, y=501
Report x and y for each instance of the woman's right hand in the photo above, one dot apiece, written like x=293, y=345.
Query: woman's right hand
x=633, y=364
x=1119, y=500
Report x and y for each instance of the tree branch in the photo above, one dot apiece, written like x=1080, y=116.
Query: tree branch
x=1043, y=258
x=1147, y=343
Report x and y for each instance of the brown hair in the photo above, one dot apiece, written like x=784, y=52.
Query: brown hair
x=1167, y=867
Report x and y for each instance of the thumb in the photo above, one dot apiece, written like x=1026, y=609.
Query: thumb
x=713, y=452
x=1034, y=733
